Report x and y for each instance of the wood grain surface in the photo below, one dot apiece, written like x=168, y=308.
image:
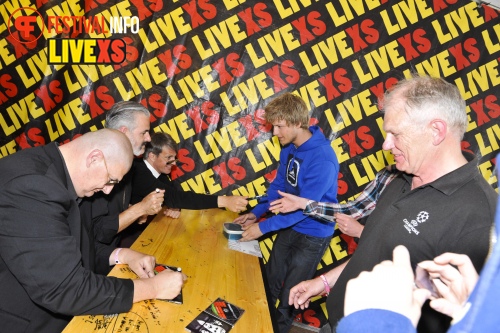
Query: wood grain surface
x=195, y=243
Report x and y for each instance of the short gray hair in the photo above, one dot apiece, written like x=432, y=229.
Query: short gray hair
x=428, y=97
x=123, y=114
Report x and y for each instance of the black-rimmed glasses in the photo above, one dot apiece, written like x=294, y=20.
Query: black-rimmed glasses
x=172, y=161
x=110, y=182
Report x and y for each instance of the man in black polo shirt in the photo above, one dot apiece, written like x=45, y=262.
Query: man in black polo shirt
x=439, y=202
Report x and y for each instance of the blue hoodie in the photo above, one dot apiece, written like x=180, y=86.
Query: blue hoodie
x=309, y=171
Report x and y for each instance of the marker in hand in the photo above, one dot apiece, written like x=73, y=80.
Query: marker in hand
x=257, y=197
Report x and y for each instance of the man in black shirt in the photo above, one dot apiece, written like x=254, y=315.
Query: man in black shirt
x=44, y=274
x=152, y=173
x=106, y=215
x=439, y=202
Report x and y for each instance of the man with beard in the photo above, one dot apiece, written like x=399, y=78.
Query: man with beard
x=106, y=215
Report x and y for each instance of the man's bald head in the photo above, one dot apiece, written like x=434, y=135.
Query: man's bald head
x=96, y=158
x=114, y=144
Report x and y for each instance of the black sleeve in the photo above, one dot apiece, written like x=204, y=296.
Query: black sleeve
x=39, y=249
x=102, y=254
x=175, y=198
x=144, y=182
x=105, y=220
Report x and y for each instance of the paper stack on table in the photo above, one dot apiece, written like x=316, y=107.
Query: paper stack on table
x=251, y=247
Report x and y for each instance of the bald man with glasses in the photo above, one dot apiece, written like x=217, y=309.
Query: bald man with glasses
x=44, y=265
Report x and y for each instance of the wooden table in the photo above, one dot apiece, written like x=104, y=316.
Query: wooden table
x=195, y=243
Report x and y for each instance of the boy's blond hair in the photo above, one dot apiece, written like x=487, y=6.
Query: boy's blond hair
x=290, y=108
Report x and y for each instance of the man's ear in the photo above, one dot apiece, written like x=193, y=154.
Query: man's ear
x=151, y=157
x=439, y=129
x=95, y=156
x=123, y=129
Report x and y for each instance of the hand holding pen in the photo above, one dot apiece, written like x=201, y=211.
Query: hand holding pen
x=257, y=197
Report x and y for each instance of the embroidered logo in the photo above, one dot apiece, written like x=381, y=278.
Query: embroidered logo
x=422, y=217
x=411, y=225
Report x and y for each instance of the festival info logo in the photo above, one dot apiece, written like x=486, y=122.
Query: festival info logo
x=69, y=50
x=25, y=25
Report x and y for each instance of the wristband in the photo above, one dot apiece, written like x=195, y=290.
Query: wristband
x=327, y=286
x=116, y=256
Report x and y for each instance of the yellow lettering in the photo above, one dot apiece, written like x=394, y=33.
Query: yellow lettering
x=338, y=147
x=8, y=148
x=490, y=45
x=487, y=169
x=7, y=57
x=337, y=248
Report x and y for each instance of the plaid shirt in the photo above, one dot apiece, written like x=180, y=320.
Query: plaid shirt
x=362, y=206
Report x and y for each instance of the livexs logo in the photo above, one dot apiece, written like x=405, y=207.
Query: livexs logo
x=86, y=51
x=27, y=25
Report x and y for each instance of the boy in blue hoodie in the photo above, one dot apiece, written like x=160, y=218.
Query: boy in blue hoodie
x=308, y=168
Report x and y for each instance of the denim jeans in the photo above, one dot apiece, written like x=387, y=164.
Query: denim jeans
x=294, y=258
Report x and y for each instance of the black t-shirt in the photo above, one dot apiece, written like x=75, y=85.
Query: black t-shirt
x=452, y=214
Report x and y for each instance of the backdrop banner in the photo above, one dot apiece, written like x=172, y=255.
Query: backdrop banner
x=207, y=68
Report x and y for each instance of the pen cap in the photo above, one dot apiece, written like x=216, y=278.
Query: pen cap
x=232, y=231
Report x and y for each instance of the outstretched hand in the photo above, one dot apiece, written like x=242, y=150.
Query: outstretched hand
x=453, y=284
x=301, y=294
x=234, y=203
x=389, y=286
x=287, y=203
x=246, y=219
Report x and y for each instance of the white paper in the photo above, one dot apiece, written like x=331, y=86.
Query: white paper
x=251, y=247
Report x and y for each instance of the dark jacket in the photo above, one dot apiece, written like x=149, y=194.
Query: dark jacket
x=144, y=182
x=42, y=279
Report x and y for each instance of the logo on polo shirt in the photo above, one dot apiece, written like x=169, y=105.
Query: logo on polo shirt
x=412, y=225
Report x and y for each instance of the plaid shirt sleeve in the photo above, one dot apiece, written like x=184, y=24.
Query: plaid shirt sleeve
x=362, y=206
